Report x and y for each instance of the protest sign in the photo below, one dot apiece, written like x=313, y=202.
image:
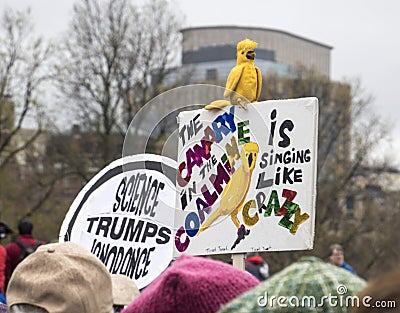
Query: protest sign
x=246, y=179
x=125, y=216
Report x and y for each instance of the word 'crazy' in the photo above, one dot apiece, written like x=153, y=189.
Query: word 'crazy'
x=220, y=170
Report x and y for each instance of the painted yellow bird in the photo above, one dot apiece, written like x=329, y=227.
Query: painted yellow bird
x=236, y=190
x=244, y=81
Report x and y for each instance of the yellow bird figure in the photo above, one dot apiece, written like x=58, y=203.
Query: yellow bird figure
x=245, y=79
x=235, y=191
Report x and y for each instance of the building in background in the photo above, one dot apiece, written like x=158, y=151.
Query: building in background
x=209, y=53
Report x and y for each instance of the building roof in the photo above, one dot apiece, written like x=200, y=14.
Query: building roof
x=256, y=28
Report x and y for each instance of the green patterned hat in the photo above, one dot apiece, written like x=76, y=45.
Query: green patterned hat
x=309, y=285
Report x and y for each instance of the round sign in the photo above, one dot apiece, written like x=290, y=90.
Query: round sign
x=125, y=216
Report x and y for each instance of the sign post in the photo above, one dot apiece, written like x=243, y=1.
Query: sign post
x=238, y=260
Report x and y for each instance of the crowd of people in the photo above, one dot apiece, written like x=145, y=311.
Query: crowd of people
x=65, y=277
x=15, y=252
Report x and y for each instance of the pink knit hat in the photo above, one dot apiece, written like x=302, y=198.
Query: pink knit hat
x=193, y=284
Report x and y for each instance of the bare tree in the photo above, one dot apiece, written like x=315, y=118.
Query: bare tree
x=114, y=58
x=23, y=61
x=348, y=132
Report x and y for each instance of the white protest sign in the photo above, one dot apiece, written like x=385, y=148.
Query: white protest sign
x=125, y=216
x=246, y=179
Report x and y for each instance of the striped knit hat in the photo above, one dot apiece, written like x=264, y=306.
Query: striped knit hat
x=193, y=284
x=309, y=285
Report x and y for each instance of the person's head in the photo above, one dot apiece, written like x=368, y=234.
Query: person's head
x=251, y=254
x=124, y=291
x=308, y=278
x=4, y=230
x=62, y=278
x=336, y=255
x=193, y=284
x=385, y=289
x=25, y=227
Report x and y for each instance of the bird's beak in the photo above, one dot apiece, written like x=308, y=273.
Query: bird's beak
x=250, y=55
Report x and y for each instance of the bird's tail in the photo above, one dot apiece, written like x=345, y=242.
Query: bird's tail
x=217, y=104
x=209, y=221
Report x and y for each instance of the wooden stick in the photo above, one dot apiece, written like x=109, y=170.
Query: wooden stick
x=238, y=260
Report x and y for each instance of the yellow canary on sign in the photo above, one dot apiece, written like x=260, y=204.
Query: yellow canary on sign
x=244, y=81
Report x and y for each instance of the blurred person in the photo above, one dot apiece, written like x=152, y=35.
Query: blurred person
x=193, y=284
x=4, y=231
x=256, y=266
x=124, y=291
x=21, y=247
x=60, y=278
x=336, y=257
x=381, y=294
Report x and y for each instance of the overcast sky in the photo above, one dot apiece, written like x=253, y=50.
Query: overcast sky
x=364, y=35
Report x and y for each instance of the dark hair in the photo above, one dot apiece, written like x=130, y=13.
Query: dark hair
x=25, y=227
x=335, y=247
x=385, y=288
x=118, y=308
x=4, y=228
